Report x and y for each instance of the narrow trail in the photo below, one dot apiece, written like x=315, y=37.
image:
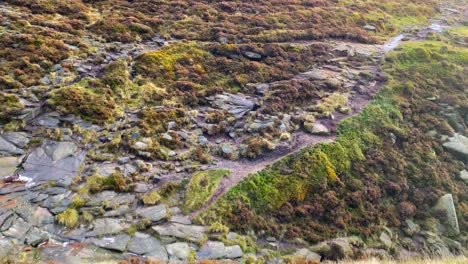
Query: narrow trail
x=242, y=168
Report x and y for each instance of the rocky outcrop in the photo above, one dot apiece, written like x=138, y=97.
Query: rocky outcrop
x=446, y=206
x=458, y=145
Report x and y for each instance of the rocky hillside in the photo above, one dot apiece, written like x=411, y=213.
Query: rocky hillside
x=251, y=131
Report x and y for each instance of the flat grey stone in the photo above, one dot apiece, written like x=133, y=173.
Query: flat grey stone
x=190, y=232
x=18, y=230
x=144, y=244
x=60, y=150
x=42, y=217
x=154, y=213
x=9, y=148
x=36, y=237
x=118, y=242
x=180, y=250
x=106, y=226
x=40, y=167
x=19, y=139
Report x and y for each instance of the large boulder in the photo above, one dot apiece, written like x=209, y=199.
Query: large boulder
x=458, y=146
x=445, y=205
x=59, y=162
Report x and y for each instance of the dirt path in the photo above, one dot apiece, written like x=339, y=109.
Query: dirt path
x=240, y=169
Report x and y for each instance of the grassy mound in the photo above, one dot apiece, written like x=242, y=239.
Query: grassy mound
x=201, y=188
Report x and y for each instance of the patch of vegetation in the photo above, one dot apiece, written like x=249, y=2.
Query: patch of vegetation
x=68, y=218
x=95, y=104
x=116, y=181
x=9, y=105
x=377, y=169
x=151, y=198
x=201, y=187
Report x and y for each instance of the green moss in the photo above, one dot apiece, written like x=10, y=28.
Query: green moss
x=68, y=218
x=201, y=187
x=217, y=227
x=9, y=105
x=151, y=198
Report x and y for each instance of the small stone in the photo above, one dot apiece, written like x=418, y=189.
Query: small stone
x=233, y=252
x=463, y=175
x=172, y=153
x=202, y=140
x=144, y=244
x=118, y=242
x=317, y=129
x=140, y=146
x=386, y=240
x=154, y=213
x=36, y=237
x=369, y=28
x=252, y=55
x=123, y=160
x=179, y=250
